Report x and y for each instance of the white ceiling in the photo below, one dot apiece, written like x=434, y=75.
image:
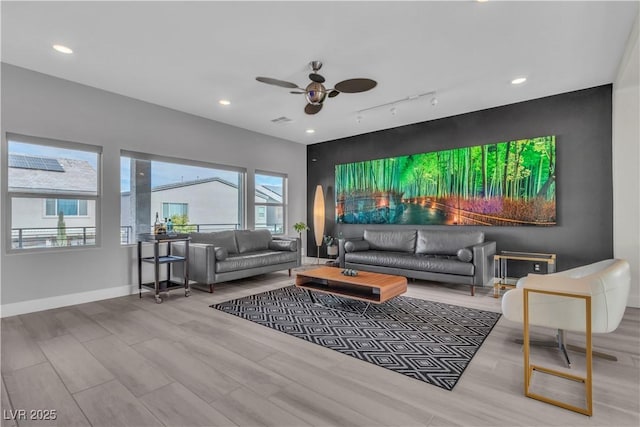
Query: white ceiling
x=188, y=55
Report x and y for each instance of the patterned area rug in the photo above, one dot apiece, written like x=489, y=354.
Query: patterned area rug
x=429, y=341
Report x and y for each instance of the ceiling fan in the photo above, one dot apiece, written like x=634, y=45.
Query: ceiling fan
x=316, y=93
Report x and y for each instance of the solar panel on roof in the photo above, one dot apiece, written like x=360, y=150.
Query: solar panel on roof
x=36, y=163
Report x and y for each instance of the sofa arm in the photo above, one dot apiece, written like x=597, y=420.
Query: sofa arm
x=483, y=263
x=293, y=244
x=202, y=262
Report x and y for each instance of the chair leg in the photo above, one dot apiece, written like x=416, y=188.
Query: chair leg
x=473, y=291
x=289, y=272
x=211, y=288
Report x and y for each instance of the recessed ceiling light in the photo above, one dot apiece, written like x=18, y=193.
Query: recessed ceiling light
x=62, y=49
x=482, y=1
x=310, y=131
x=224, y=102
x=518, y=81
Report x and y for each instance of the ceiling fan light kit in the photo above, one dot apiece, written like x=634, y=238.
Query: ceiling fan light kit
x=316, y=93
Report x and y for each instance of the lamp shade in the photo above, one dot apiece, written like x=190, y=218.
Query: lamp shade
x=318, y=215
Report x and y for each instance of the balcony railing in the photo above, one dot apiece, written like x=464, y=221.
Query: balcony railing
x=26, y=238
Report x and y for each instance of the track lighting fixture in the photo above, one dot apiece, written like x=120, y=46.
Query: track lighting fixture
x=394, y=110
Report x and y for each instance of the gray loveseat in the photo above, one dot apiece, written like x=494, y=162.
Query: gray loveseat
x=235, y=254
x=445, y=256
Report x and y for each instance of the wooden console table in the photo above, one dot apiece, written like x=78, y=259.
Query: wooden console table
x=163, y=286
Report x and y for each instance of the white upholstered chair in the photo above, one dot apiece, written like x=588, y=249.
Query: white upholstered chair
x=608, y=281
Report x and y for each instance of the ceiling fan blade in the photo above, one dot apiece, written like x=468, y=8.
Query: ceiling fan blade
x=333, y=93
x=312, y=108
x=276, y=82
x=355, y=85
x=297, y=92
x=316, y=78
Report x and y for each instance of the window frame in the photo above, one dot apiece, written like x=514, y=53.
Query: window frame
x=242, y=186
x=283, y=204
x=9, y=196
x=56, y=199
x=168, y=207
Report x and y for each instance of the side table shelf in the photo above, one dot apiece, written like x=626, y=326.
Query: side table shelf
x=502, y=279
x=163, y=286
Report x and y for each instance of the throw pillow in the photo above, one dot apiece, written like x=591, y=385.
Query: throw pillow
x=465, y=255
x=221, y=253
x=283, y=245
x=356, y=245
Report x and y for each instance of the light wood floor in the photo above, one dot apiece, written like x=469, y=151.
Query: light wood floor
x=131, y=362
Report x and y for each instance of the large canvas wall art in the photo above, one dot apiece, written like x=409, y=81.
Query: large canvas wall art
x=506, y=183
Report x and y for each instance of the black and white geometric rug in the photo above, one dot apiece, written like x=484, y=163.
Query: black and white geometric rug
x=430, y=341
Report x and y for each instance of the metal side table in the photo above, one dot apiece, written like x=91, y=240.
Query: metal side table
x=163, y=286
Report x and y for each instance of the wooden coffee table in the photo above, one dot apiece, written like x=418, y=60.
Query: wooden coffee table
x=369, y=287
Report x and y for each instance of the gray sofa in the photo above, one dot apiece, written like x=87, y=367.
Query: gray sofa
x=235, y=254
x=445, y=256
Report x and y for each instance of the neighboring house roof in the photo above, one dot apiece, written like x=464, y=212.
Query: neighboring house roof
x=76, y=177
x=269, y=194
x=193, y=182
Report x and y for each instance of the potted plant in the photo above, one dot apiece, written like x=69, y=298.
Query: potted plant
x=332, y=245
x=299, y=227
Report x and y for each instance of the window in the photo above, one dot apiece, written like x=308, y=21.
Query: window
x=53, y=207
x=196, y=196
x=270, y=201
x=53, y=189
x=171, y=209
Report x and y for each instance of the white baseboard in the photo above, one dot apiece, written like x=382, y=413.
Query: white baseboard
x=31, y=306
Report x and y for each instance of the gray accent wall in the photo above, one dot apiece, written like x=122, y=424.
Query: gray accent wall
x=582, y=123
x=39, y=105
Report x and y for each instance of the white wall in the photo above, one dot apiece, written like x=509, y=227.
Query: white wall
x=209, y=202
x=626, y=161
x=35, y=104
x=30, y=213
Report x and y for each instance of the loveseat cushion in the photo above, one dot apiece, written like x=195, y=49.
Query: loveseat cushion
x=252, y=240
x=224, y=239
x=356, y=245
x=429, y=263
x=446, y=242
x=399, y=241
x=254, y=259
x=283, y=245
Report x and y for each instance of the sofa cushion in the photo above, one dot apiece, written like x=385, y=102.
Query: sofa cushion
x=221, y=253
x=356, y=245
x=464, y=255
x=252, y=240
x=429, y=263
x=223, y=239
x=399, y=241
x=283, y=245
x=255, y=259
x=446, y=242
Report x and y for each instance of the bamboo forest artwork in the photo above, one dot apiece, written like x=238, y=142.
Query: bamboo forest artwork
x=506, y=183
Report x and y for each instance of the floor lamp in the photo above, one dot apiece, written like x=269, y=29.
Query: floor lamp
x=318, y=218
